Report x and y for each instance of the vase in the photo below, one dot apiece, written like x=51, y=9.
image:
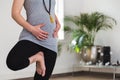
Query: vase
x=90, y=54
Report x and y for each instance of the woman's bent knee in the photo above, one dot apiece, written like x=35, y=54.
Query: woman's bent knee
x=11, y=64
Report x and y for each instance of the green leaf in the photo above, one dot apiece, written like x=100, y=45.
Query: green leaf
x=87, y=27
x=77, y=49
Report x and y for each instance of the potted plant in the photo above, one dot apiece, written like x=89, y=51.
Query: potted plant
x=87, y=27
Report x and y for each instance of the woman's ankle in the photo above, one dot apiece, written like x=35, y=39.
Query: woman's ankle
x=36, y=57
x=32, y=59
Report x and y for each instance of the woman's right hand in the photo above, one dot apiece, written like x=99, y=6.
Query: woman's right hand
x=39, y=33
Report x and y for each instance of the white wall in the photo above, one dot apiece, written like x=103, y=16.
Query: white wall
x=108, y=7
x=10, y=31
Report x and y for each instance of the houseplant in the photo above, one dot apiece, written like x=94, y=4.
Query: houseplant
x=87, y=27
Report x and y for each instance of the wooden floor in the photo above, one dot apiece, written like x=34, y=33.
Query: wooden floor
x=88, y=76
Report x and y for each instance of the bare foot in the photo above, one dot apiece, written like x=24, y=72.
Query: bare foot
x=40, y=64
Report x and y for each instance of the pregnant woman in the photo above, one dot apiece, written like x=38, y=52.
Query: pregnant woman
x=38, y=39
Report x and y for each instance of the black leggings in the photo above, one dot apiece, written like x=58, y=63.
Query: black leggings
x=18, y=58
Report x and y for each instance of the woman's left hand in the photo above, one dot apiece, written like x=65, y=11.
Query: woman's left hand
x=55, y=34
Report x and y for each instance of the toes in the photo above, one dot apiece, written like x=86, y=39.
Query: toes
x=39, y=72
x=40, y=68
x=43, y=73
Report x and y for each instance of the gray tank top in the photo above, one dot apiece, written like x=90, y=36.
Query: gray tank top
x=37, y=14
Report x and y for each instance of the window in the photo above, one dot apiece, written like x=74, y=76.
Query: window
x=60, y=15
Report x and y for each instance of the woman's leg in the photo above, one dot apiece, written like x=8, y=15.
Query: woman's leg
x=50, y=59
x=24, y=53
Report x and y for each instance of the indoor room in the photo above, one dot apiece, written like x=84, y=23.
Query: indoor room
x=87, y=44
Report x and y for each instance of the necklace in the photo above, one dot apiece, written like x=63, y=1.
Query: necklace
x=48, y=11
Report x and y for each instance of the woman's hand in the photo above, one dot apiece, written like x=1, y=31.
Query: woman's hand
x=55, y=34
x=16, y=15
x=39, y=33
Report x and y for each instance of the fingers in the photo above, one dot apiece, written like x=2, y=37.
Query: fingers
x=55, y=35
x=42, y=35
x=44, y=32
x=41, y=25
x=39, y=33
x=58, y=26
x=56, y=29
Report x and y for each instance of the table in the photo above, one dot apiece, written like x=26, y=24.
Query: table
x=90, y=67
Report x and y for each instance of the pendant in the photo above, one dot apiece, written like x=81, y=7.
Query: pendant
x=51, y=19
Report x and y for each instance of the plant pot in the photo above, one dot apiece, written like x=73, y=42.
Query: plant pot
x=90, y=53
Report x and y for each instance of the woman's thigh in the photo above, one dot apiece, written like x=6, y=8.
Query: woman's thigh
x=19, y=54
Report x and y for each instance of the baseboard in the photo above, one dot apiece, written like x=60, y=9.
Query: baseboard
x=78, y=73
x=61, y=75
x=58, y=72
